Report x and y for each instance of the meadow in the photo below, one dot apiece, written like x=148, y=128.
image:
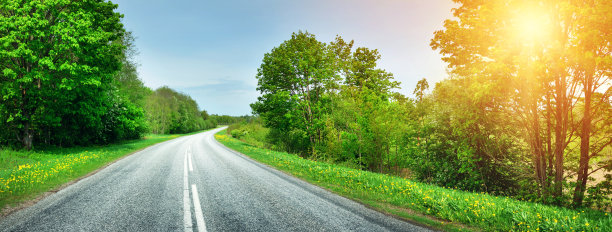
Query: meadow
x=25, y=175
x=443, y=208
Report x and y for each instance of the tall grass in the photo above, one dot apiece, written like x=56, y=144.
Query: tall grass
x=478, y=210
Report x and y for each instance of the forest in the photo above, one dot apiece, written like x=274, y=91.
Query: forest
x=525, y=112
x=69, y=78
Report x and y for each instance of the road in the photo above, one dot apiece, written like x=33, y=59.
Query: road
x=193, y=183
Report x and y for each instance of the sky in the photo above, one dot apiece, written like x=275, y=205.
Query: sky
x=211, y=50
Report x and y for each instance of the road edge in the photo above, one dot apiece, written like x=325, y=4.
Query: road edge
x=9, y=210
x=378, y=207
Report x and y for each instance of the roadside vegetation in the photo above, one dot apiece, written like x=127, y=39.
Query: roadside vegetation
x=404, y=197
x=525, y=113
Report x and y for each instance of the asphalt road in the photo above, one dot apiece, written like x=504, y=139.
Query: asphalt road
x=193, y=183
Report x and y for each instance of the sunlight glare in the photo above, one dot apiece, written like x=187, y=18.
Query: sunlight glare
x=532, y=25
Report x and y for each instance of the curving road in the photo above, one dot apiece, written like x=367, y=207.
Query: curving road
x=193, y=183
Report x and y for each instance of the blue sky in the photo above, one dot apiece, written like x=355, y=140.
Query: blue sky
x=211, y=49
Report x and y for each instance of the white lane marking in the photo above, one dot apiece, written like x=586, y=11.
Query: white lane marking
x=190, y=165
x=198, y=209
x=187, y=223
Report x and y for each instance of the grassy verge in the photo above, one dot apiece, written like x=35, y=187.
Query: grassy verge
x=439, y=207
x=26, y=175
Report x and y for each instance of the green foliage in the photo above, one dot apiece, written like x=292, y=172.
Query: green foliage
x=251, y=132
x=294, y=80
x=480, y=210
x=420, y=89
x=460, y=142
x=228, y=120
x=173, y=112
x=467, y=134
x=451, y=138
x=59, y=84
x=129, y=83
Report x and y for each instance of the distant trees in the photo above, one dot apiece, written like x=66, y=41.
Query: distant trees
x=228, y=120
x=420, y=89
x=173, y=112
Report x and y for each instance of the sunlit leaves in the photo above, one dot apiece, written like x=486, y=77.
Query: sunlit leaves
x=538, y=61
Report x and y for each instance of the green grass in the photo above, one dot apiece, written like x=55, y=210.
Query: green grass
x=25, y=175
x=443, y=208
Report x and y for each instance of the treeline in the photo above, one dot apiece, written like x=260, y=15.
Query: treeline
x=474, y=131
x=173, y=112
x=229, y=120
x=68, y=78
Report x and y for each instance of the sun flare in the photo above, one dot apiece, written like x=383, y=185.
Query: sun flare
x=532, y=25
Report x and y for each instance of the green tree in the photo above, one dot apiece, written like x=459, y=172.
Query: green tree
x=464, y=143
x=129, y=83
x=363, y=111
x=420, y=89
x=294, y=80
x=172, y=112
x=51, y=51
x=204, y=115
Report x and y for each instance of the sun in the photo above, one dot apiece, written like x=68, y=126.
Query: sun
x=532, y=25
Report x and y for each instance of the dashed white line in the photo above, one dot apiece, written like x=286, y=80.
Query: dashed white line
x=190, y=163
x=198, y=209
x=188, y=224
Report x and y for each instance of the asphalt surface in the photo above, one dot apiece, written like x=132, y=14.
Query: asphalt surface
x=194, y=183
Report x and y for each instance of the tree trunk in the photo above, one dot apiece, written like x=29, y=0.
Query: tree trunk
x=539, y=161
x=560, y=134
x=26, y=133
x=549, y=149
x=27, y=136
x=585, y=137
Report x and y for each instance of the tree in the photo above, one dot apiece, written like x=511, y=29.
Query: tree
x=592, y=67
x=204, y=115
x=363, y=110
x=49, y=52
x=294, y=80
x=420, y=89
x=129, y=83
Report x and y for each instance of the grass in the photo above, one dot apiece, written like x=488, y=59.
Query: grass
x=25, y=175
x=443, y=208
